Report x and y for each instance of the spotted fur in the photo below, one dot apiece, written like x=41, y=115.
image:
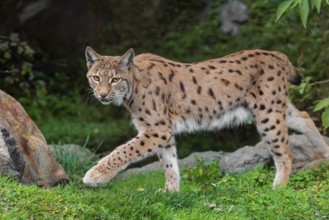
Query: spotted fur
x=166, y=97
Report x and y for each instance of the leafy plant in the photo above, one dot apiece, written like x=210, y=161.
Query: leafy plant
x=202, y=172
x=323, y=104
x=16, y=58
x=304, y=12
x=304, y=8
x=76, y=160
x=303, y=90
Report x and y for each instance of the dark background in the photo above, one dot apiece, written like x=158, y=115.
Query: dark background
x=42, y=60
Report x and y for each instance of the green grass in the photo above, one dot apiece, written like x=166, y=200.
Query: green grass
x=75, y=159
x=205, y=194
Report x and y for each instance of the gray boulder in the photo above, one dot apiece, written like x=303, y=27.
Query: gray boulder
x=189, y=161
x=11, y=161
x=304, y=156
x=248, y=157
x=232, y=14
x=245, y=158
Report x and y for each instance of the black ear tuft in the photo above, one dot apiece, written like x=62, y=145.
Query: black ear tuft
x=127, y=59
x=91, y=57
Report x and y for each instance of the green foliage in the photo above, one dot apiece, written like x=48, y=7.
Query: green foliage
x=76, y=160
x=282, y=8
x=16, y=59
x=323, y=104
x=304, y=8
x=205, y=173
x=239, y=196
x=302, y=91
x=303, y=11
x=305, y=86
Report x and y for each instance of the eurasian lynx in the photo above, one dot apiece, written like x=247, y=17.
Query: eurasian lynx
x=166, y=97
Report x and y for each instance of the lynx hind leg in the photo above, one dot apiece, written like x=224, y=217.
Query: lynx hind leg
x=168, y=160
x=301, y=122
x=272, y=127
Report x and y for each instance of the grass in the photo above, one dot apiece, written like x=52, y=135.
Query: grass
x=75, y=159
x=205, y=194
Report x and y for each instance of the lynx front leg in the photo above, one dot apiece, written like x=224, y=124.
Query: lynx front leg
x=168, y=159
x=140, y=147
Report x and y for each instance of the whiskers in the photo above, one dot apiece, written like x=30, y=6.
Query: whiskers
x=90, y=98
x=116, y=98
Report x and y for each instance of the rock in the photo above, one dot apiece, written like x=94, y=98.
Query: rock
x=249, y=157
x=304, y=156
x=189, y=161
x=245, y=158
x=207, y=157
x=232, y=14
x=24, y=152
x=11, y=161
x=302, y=149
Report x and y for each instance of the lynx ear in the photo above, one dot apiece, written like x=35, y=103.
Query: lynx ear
x=127, y=59
x=91, y=57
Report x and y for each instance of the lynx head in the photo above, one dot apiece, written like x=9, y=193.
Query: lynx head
x=110, y=78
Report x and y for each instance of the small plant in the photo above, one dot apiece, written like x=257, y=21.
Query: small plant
x=304, y=8
x=76, y=160
x=306, y=178
x=16, y=59
x=323, y=104
x=202, y=172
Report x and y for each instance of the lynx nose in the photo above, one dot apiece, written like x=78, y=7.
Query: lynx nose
x=103, y=95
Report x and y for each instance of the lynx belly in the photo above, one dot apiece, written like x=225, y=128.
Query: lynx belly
x=234, y=117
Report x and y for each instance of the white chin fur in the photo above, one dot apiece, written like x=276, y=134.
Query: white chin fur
x=117, y=102
x=105, y=103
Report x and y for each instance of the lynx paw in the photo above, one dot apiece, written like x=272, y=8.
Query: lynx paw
x=89, y=181
x=93, y=178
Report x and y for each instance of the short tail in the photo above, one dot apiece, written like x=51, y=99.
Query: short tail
x=294, y=77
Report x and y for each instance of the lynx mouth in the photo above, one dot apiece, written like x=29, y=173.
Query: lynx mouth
x=105, y=101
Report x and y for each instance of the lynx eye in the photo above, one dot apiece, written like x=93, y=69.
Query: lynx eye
x=115, y=79
x=96, y=78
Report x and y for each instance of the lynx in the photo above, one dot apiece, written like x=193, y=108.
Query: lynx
x=166, y=97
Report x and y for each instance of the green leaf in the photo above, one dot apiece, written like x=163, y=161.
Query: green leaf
x=327, y=2
x=20, y=49
x=312, y=4
x=321, y=104
x=296, y=2
x=325, y=118
x=318, y=5
x=282, y=8
x=303, y=11
x=14, y=37
x=302, y=87
x=7, y=55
